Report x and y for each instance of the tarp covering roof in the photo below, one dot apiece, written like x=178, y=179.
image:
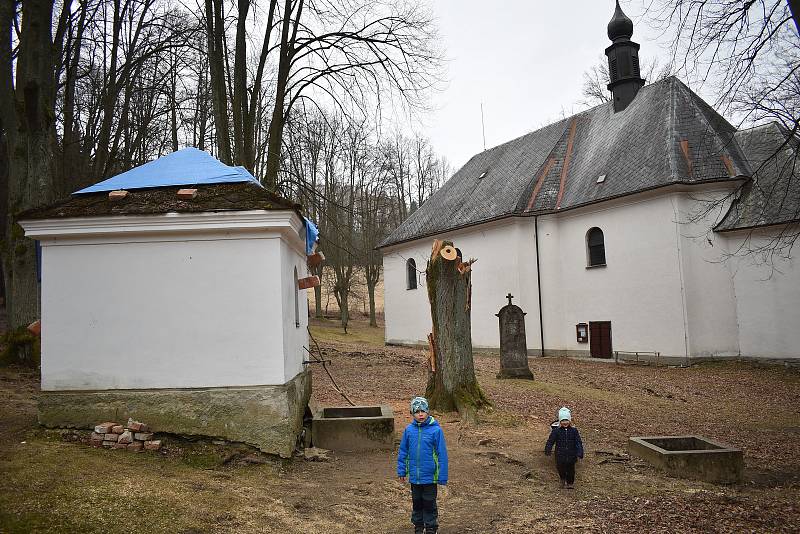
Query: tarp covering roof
x=188, y=166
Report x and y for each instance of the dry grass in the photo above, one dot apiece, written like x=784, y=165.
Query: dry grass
x=52, y=484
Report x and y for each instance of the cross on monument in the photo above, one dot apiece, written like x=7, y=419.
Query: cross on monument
x=509, y=297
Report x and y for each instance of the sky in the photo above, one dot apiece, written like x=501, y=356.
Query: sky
x=524, y=60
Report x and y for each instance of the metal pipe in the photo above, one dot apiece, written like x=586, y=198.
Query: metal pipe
x=539, y=282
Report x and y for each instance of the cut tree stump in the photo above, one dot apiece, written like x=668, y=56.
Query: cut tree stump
x=451, y=380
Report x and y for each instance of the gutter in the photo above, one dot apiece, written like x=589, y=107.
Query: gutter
x=539, y=281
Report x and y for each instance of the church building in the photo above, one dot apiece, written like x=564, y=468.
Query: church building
x=621, y=228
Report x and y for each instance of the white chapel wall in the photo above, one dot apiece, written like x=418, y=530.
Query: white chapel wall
x=295, y=337
x=161, y=314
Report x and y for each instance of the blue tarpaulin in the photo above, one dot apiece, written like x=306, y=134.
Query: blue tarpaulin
x=312, y=234
x=188, y=166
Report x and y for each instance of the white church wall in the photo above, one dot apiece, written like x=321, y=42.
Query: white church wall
x=708, y=283
x=506, y=263
x=766, y=297
x=295, y=310
x=639, y=288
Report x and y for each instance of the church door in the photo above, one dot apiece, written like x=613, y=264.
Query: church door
x=600, y=339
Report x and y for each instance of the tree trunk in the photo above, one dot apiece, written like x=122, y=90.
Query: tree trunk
x=30, y=162
x=451, y=383
x=371, y=290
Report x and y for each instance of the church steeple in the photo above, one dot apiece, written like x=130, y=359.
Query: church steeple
x=623, y=61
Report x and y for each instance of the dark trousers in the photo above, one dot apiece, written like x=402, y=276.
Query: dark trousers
x=423, y=503
x=566, y=471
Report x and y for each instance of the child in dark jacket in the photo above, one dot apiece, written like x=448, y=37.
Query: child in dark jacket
x=569, y=447
x=423, y=459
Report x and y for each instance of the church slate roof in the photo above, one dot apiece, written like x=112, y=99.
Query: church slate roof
x=773, y=194
x=667, y=135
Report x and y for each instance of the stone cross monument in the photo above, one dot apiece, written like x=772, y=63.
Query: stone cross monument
x=513, y=347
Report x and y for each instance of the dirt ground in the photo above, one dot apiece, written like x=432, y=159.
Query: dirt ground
x=500, y=481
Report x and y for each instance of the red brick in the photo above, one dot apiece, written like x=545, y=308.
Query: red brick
x=117, y=195
x=145, y=428
x=143, y=436
x=118, y=429
x=109, y=443
x=126, y=437
x=96, y=442
x=306, y=283
x=120, y=446
x=95, y=435
x=187, y=194
x=135, y=426
x=111, y=437
x=135, y=446
x=104, y=428
x=152, y=445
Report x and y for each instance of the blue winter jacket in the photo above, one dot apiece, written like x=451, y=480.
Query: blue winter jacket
x=568, y=444
x=423, y=453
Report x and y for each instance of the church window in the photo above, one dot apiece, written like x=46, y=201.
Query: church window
x=411, y=274
x=596, y=248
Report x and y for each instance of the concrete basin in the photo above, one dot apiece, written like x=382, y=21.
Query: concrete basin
x=353, y=428
x=692, y=457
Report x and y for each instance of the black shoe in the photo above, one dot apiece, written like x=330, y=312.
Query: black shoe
x=431, y=530
x=419, y=530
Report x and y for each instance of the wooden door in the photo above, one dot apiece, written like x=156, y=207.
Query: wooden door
x=600, y=339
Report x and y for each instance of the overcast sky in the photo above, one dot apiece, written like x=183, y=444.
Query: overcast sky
x=524, y=59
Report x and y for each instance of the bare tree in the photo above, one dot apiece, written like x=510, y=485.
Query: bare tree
x=27, y=100
x=748, y=53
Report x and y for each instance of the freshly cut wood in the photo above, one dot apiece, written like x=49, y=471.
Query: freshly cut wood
x=431, y=353
x=449, y=253
x=309, y=282
x=451, y=380
x=117, y=195
x=187, y=194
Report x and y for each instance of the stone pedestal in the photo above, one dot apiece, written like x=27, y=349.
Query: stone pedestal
x=513, y=346
x=267, y=417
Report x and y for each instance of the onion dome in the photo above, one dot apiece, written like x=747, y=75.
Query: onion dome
x=620, y=27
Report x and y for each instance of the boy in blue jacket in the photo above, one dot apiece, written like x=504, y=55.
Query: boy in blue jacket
x=568, y=447
x=423, y=459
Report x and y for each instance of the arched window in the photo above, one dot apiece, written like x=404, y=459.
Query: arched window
x=596, y=248
x=411, y=274
x=297, y=299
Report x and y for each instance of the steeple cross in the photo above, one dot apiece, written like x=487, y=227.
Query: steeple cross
x=509, y=297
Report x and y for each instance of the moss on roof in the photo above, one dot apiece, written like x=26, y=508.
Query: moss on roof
x=240, y=196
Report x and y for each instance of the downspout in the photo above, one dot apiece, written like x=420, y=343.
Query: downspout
x=539, y=281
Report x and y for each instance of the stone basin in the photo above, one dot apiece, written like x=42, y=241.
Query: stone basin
x=353, y=428
x=692, y=457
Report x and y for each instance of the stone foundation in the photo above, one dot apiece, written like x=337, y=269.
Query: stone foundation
x=267, y=417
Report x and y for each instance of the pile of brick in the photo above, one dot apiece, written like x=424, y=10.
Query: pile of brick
x=135, y=436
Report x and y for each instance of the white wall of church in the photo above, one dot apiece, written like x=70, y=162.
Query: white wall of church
x=707, y=278
x=506, y=264
x=171, y=310
x=767, y=297
x=663, y=288
x=639, y=289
